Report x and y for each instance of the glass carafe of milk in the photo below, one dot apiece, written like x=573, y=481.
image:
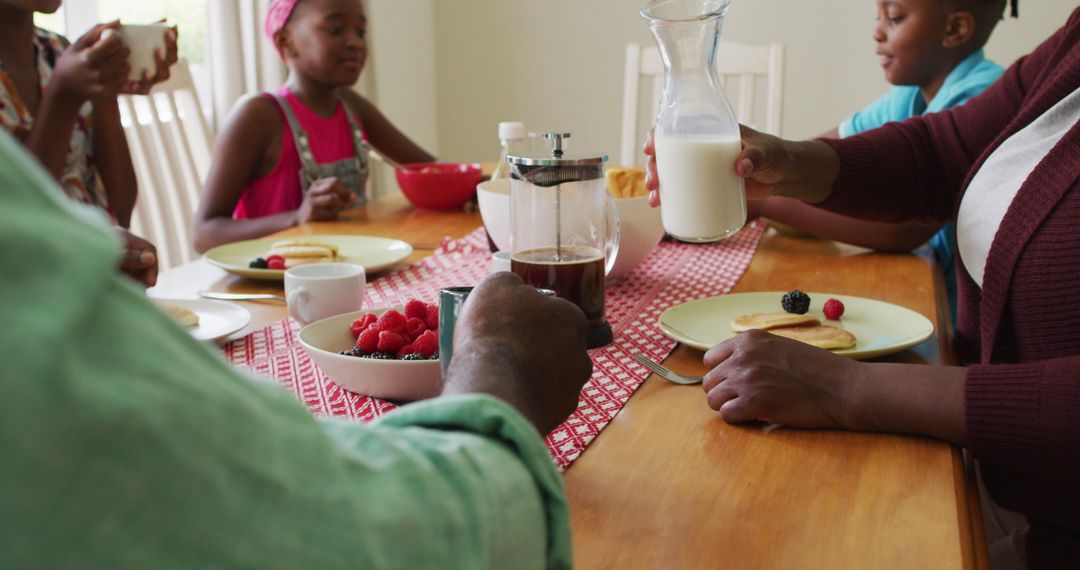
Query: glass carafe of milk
x=696, y=133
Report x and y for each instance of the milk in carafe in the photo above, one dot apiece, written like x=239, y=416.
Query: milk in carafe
x=701, y=196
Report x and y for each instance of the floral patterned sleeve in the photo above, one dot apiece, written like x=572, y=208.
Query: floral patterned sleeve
x=80, y=179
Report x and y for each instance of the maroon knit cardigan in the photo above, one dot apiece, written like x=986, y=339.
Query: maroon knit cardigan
x=1019, y=334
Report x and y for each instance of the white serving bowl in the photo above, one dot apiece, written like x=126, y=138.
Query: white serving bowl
x=640, y=226
x=493, y=197
x=387, y=379
x=640, y=229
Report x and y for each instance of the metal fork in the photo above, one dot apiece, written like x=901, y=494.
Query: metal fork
x=663, y=372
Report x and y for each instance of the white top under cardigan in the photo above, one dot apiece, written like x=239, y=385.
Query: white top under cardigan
x=996, y=184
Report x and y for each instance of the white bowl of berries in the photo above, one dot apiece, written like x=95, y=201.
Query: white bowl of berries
x=383, y=353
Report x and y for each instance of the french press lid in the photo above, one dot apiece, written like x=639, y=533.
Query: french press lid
x=555, y=167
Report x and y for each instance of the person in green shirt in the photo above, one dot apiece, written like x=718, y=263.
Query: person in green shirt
x=125, y=443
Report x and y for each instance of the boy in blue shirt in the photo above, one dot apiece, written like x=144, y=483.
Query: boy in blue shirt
x=931, y=51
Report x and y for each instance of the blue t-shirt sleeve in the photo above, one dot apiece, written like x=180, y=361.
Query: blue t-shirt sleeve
x=892, y=106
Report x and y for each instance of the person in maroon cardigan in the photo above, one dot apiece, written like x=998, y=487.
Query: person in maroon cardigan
x=1006, y=167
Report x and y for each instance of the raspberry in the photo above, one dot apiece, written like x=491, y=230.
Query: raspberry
x=393, y=321
x=432, y=317
x=796, y=302
x=275, y=262
x=833, y=309
x=427, y=343
x=362, y=323
x=407, y=349
x=415, y=327
x=368, y=341
x=415, y=309
x=390, y=341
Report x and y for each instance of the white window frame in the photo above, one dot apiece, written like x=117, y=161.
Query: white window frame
x=79, y=17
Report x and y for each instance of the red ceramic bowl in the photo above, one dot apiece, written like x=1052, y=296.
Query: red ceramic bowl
x=438, y=185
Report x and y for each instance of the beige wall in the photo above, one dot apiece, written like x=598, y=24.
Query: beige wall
x=401, y=71
x=557, y=64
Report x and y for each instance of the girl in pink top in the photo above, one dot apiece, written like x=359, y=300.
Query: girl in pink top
x=298, y=154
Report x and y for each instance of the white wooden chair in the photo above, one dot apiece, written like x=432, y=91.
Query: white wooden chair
x=742, y=62
x=170, y=148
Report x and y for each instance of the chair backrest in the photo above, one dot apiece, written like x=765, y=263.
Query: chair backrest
x=743, y=63
x=170, y=149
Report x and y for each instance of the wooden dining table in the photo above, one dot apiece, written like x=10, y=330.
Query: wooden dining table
x=669, y=484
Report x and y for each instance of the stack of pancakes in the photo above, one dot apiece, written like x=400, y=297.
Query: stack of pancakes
x=803, y=328
x=303, y=251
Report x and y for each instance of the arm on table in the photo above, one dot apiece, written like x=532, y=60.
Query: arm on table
x=759, y=376
x=882, y=236
x=382, y=134
x=1018, y=414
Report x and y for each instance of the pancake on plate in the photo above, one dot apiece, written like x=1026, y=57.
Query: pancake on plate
x=303, y=251
x=184, y=316
x=766, y=321
x=821, y=336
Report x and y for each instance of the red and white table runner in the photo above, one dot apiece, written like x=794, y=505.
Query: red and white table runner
x=673, y=273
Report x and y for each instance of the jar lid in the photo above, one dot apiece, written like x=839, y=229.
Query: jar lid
x=511, y=130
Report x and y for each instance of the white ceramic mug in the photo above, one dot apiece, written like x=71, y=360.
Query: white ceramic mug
x=143, y=40
x=500, y=261
x=323, y=290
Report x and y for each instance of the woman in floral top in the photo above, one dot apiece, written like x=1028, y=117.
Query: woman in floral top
x=51, y=92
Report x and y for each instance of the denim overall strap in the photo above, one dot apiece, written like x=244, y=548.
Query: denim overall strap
x=303, y=147
x=358, y=139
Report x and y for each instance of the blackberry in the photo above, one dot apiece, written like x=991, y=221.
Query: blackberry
x=414, y=356
x=258, y=263
x=382, y=356
x=796, y=302
x=354, y=351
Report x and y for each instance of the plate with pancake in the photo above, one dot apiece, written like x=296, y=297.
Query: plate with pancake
x=373, y=253
x=205, y=320
x=878, y=328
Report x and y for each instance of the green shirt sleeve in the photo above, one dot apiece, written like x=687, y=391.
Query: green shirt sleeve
x=125, y=443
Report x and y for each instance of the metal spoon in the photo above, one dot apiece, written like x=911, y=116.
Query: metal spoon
x=241, y=296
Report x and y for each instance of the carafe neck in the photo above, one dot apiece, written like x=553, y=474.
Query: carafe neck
x=688, y=48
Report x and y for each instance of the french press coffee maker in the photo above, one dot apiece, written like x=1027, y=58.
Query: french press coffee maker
x=564, y=228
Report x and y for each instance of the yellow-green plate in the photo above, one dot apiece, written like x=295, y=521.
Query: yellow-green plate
x=880, y=328
x=373, y=253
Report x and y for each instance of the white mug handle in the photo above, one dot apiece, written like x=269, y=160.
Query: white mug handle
x=294, y=299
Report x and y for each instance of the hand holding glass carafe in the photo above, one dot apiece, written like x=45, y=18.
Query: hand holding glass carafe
x=696, y=134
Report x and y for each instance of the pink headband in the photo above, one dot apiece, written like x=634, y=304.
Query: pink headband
x=276, y=15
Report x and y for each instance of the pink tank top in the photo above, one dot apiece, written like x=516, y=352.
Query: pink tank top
x=279, y=190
